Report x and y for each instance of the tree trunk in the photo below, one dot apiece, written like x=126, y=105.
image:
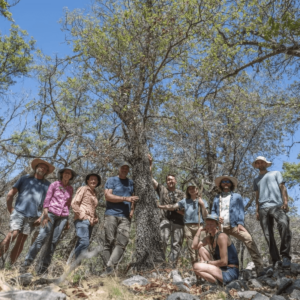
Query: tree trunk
x=148, y=239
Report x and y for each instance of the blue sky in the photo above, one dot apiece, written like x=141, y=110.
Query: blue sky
x=40, y=18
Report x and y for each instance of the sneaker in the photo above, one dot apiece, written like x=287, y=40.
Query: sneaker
x=108, y=272
x=286, y=262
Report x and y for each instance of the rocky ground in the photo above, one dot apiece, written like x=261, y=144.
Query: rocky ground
x=277, y=284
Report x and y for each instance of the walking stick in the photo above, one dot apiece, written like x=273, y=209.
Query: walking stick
x=199, y=208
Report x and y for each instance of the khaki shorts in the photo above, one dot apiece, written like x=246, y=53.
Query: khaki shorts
x=19, y=222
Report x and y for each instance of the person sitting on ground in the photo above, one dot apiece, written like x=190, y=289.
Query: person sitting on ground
x=229, y=206
x=190, y=204
x=222, y=264
x=55, y=217
x=84, y=207
x=27, y=213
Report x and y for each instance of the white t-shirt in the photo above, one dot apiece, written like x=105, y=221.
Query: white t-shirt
x=225, y=202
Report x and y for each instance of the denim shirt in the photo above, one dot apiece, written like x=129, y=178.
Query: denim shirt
x=236, y=209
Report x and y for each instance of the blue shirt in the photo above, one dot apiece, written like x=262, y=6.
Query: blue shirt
x=123, y=188
x=31, y=195
x=236, y=209
x=268, y=187
x=190, y=211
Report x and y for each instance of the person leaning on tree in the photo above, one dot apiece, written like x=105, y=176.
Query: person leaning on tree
x=120, y=203
x=272, y=203
x=84, y=207
x=229, y=206
x=171, y=222
x=55, y=217
x=190, y=204
x=219, y=265
x=27, y=212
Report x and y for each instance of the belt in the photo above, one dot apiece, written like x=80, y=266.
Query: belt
x=233, y=266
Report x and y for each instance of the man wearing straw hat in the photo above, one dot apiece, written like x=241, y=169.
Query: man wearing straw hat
x=229, y=206
x=28, y=208
x=272, y=203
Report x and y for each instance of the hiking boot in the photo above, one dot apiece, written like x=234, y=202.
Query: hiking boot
x=286, y=262
x=108, y=272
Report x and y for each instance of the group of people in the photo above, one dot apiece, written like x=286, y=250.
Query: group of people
x=211, y=250
x=212, y=253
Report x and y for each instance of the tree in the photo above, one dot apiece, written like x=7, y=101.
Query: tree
x=131, y=51
x=15, y=52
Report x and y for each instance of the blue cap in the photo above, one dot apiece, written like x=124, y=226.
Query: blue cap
x=212, y=217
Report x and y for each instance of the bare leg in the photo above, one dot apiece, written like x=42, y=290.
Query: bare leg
x=18, y=247
x=208, y=272
x=4, y=246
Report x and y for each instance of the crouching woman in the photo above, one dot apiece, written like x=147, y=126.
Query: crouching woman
x=222, y=264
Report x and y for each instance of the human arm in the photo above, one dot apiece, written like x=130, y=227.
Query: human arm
x=76, y=202
x=222, y=243
x=170, y=207
x=110, y=197
x=195, y=244
x=132, y=210
x=10, y=199
x=257, y=204
x=285, y=197
x=50, y=194
x=202, y=207
x=154, y=182
x=241, y=214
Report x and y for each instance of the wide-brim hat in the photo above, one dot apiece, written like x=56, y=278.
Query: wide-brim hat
x=261, y=158
x=93, y=174
x=37, y=161
x=60, y=171
x=232, y=179
x=212, y=217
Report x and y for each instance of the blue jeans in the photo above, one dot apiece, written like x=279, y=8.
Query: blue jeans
x=57, y=223
x=229, y=274
x=83, y=232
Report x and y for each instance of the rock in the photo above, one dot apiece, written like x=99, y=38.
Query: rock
x=234, y=285
x=250, y=266
x=294, y=286
x=175, y=276
x=295, y=294
x=247, y=294
x=246, y=274
x=255, y=283
x=32, y=295
x=284, y=283
x=25, y=279
x=182, y=286
x=271, y=283
x=135, y=279
x=190, y=280
x=295, y=268
x=277, y=297
x=209, y=287
x=276, y=274
x=182, y=296
x=270, y=272
x=153, y=275
x=260, y=296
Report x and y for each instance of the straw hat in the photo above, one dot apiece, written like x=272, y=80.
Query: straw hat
x=37, y=161
x=232, y=179
x=263, y=159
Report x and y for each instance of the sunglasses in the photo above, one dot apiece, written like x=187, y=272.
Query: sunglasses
x=225, y=181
